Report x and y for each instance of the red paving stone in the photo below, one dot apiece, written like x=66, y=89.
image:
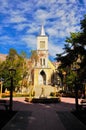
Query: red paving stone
x=66, y=104
x=20, y=104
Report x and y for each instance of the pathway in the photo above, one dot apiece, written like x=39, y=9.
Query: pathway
x=44, y=116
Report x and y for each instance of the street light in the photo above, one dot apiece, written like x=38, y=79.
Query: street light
x=57, y=80
x=1, y=84
x=76, y=89
x=84, y=83
x=12, y=72
x=64, y=76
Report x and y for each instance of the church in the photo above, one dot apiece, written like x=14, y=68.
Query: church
x=44, y=68
x=44, y=71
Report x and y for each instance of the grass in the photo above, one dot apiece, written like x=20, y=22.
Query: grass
x=5, y=116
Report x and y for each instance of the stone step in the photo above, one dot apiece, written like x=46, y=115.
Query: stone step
x=47, y=90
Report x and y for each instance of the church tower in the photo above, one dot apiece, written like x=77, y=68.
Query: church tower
x=44, y=68
x=42, y=49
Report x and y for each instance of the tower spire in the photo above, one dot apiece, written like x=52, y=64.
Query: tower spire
x=42, y=31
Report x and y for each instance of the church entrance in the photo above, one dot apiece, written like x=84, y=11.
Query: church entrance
x=42, y=78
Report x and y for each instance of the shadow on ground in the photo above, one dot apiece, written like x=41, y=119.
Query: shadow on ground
x=6, y=116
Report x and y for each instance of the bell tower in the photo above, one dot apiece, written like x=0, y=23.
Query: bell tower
x=43, y=69
x=42, y=49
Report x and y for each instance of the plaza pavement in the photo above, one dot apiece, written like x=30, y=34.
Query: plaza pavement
x=56, y=116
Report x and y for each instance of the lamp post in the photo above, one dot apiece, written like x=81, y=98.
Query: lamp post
x=84, y=84
x=57, y=80
x=64, y=76
x=12, y=71
x=85, y=89
x=1, y=84
x=76, y=89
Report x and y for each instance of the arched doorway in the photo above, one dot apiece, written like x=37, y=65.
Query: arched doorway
x=42, y=77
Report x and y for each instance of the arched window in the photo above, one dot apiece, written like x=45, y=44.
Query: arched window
x=40, y=61
x=43, y=61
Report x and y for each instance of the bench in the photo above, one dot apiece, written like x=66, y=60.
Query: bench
x=83, y=104
x=4, y=103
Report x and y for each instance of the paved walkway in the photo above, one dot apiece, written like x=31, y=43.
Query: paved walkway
x=44, y=116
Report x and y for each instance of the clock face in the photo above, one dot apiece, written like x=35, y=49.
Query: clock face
x=42, y=44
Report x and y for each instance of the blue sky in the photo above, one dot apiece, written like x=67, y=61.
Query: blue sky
x=21, y=20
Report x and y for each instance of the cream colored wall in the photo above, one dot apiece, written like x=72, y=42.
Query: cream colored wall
x=42, y=38
x=48, y=71
x=36, y=73
x=50, y=68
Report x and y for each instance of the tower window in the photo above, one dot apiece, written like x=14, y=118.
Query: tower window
x=43, y=61
x=42, y=44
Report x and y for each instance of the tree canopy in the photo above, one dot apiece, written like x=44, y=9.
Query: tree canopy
x=16, y=61
x=75, y=51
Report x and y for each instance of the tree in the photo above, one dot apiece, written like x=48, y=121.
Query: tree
x=16, y=61
x=34, y=56
x=75, y=50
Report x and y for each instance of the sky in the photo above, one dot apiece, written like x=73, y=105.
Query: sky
x=21, y=21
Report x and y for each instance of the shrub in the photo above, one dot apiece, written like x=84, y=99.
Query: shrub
x=52, y=94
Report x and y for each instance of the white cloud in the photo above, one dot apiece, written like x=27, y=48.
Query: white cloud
x=3, y=6
x=84, y=2
x=41, y=15
x=60, y=17
x=60, y=13
x=52, y=31
x=8, y=41
x=33, y=28
x=5, y=37
x=1, y=29
x=30, y=41
x=20, y=26
x=17, y=19
x=54, y=49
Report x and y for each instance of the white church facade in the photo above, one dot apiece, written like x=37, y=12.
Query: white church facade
x=43, y=72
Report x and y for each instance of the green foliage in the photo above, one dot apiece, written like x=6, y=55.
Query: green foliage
x=74, y=49
x=53, y=94
x=16, y=61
